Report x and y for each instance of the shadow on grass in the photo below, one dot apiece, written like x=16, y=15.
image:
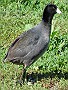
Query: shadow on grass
x=39, y=76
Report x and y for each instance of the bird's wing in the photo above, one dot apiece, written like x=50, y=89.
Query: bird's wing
x=23, y=44
x=36, y=52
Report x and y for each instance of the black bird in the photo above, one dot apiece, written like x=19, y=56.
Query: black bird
x=30, y=45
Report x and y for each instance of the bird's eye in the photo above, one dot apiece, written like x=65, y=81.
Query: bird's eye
x=53, y=7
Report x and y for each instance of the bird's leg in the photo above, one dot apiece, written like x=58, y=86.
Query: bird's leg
x=23, y=75
x=22, y=78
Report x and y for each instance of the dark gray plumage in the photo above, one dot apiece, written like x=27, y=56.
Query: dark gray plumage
x=30, y=45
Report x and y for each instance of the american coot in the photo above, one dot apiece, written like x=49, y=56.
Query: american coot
x=30, y=45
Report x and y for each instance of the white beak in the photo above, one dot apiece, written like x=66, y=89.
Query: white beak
x=58, y=11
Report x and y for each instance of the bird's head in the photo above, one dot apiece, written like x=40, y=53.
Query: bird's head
x=49, y=12
x=52, y=9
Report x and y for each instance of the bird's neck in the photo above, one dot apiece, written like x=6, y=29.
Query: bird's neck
x=47, y=18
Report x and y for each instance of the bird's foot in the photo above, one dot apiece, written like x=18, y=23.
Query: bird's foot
x=31, y=81
x=19, y=82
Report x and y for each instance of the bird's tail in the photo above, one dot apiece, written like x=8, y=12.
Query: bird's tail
x=5, y=58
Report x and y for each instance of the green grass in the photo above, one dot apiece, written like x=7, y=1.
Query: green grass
x=51, y=70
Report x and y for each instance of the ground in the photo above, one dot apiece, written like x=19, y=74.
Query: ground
x=50, y=72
